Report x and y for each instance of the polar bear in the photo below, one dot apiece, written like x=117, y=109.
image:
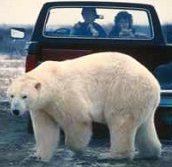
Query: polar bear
x=108, y=87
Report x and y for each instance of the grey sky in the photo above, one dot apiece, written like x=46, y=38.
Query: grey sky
x=26, y=11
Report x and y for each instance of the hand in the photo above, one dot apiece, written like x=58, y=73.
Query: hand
x=126, y=33
x=94, y=32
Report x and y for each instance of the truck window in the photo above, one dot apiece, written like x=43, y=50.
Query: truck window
x=91, y=22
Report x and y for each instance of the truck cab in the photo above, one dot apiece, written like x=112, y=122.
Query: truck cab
x=55, y=37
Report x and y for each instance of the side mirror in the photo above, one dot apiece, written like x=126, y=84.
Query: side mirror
x=17, y=33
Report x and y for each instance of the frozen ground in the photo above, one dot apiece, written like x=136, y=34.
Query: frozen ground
x=9, y=69
x=16, y=145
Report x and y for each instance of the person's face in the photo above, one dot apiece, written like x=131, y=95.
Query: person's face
x=123, y=24
x=89, y=17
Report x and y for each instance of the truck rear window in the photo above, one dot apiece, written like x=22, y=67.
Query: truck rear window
x=92, y=22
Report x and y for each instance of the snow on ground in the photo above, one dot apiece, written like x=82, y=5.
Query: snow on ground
x=10, y=68
x=16, y=146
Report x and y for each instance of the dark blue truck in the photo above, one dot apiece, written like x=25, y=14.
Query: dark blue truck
x=53, y=38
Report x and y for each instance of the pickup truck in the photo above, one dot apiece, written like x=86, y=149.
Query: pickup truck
x=54, y=38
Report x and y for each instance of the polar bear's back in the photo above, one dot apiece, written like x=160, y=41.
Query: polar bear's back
x=113, y=63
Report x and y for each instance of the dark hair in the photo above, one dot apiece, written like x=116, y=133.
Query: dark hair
x=90, y=10
x=121, y=15
x=124, y=15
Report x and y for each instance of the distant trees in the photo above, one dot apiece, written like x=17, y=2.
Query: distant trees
x=16, y=48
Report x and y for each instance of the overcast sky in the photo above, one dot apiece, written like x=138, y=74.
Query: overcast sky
x=26, y=11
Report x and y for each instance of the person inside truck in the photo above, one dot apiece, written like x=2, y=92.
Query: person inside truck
x=89, y=27
x=123, y=25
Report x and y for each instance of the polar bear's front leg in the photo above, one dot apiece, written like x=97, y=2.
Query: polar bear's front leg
x=77, y=121
x=46, y=133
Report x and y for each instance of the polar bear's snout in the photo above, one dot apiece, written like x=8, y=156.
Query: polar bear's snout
x=18, y=107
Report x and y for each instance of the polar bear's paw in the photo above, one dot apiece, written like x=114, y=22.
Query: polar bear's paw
x=37, y=157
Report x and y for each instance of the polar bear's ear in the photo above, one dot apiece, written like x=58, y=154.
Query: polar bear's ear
x=38, y=86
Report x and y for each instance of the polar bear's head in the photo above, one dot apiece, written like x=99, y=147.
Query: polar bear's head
x=23, y=94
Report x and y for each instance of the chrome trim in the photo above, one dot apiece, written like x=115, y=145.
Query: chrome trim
x=166, y=91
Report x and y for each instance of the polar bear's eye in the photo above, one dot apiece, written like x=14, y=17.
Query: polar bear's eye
x=24, y=97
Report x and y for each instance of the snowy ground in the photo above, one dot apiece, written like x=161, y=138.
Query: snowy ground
x=16, y=145
x=9, y=69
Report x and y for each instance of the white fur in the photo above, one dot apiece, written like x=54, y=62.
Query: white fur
x=110, y=88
